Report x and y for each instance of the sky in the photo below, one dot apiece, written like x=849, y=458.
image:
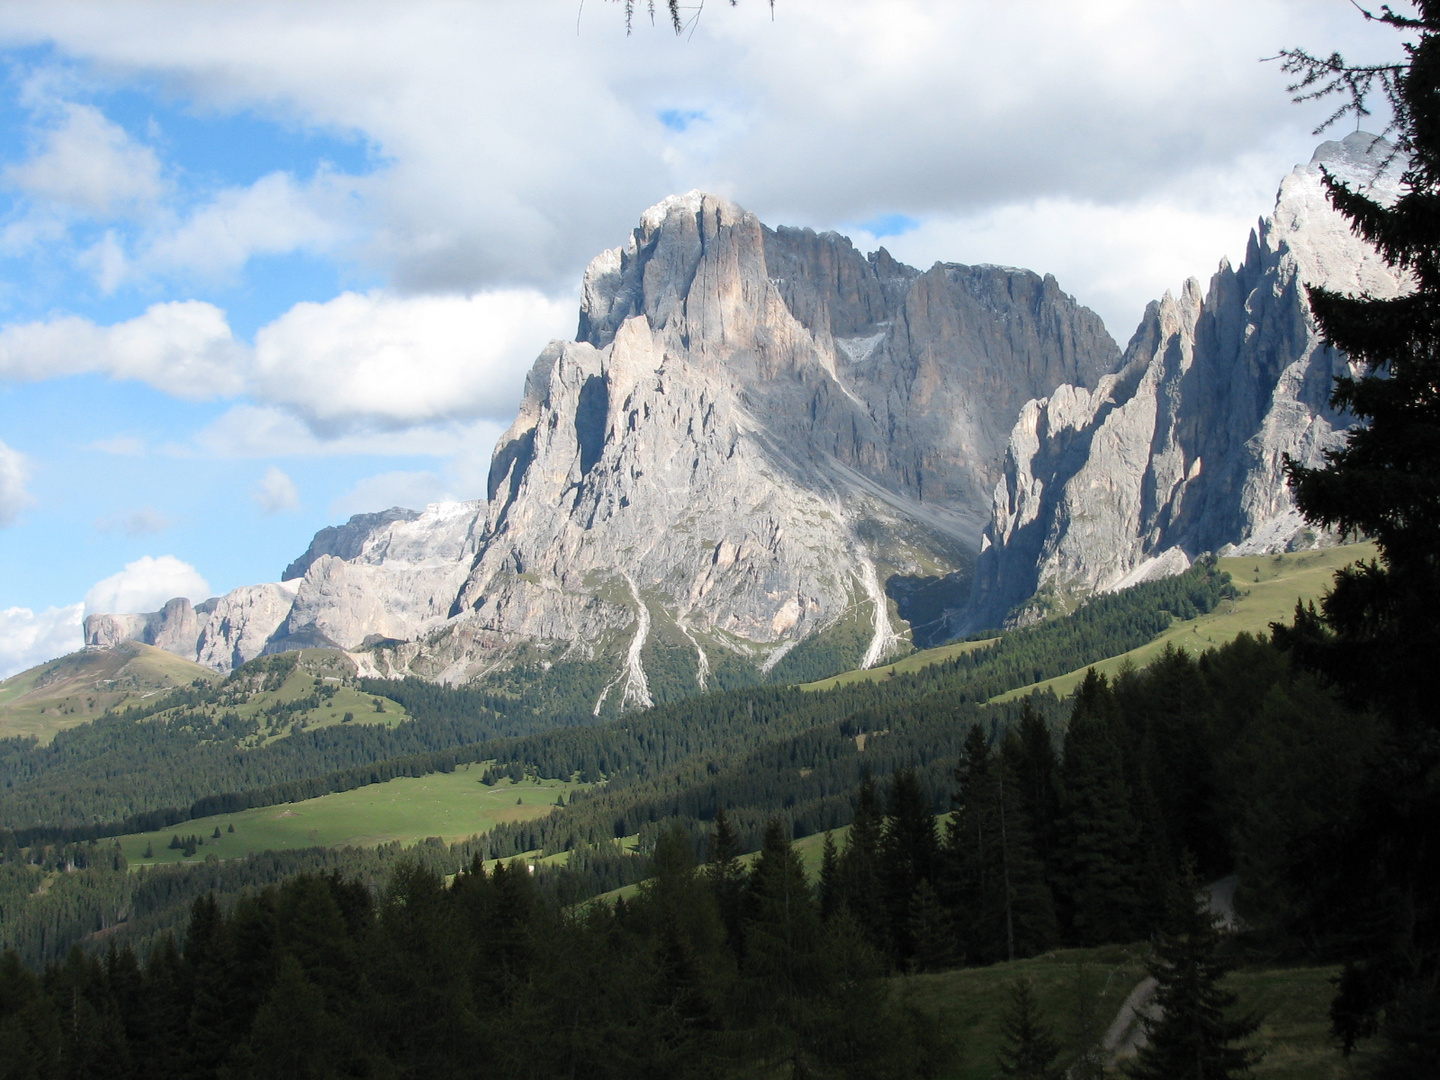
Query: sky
x=267, y=265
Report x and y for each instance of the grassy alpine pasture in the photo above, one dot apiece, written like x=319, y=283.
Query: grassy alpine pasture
x=453, y=806
x=319, y=676
x=1270, y=585
x=914, y=662
x=75, y=689
x=1083, y=989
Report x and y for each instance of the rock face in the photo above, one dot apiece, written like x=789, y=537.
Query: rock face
x=760, y=437
x=1182, y=451
x=174, y=628
x=753, y=432
x=346, y=541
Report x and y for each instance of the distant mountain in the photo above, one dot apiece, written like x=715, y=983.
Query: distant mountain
x=767, y=455
x=1182, y=450
x=753, y=433
x=73, y=689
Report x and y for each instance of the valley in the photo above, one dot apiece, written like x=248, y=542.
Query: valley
x=681, y=625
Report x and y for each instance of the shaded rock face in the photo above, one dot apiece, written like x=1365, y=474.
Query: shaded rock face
x=1182, y=451
x=753, y=432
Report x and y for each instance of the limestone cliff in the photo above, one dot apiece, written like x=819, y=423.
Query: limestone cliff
x=1182, y=451
x=753, y=432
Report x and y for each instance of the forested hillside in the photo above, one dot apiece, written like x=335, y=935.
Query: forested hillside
x=195, y=752
x=1069, y=824
x=1228, y=760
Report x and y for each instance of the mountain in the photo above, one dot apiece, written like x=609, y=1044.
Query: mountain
x=77, y=688
x=1182, y=450
x=766, y=455
x=753, y=433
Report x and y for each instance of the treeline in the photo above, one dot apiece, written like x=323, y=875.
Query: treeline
x=707, y=970
x=1233, y=763
x=703, y=973
x=1106, y=625
x=120, y=775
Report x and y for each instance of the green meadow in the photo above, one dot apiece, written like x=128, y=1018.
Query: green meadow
x=75, y=689
x=1071, y=984
x=914, y=662
x=453, y=806
x=1270, y=586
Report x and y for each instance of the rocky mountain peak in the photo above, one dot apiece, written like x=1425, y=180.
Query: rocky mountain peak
x=754, y=434
x=1183, y=451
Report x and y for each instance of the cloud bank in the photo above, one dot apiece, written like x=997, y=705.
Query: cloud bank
x=30, y=637
x=14, y=472
x=145, y=585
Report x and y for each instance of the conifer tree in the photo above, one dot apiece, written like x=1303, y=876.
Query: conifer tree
x=1376, y=635
x=990, y=874
x=783, y=932
x=931, y=930
x=1030, y=753
x=1193, y=1037
x=1098, y=879
x=1030, y=1047
x=829, y=878
x=858, y=868
x=908, y=851
x=727, y=879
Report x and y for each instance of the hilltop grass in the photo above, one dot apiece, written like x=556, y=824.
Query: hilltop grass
x=298, y=684
x=914, y=662
x=77, y=688
x=1270, y=586
x=453, y=806
x=1293, y=1003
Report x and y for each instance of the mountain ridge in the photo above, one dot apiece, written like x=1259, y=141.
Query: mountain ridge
x=761, y=439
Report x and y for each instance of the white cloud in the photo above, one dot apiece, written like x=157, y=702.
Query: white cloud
x=359, y=362
x=273, y=216
x=1111, y=265
x=520, y=166
x=14, y=472
x=183, y=347
x=268, y=431
x=90, y=164
x=413, y=490
x=145, y=585
x=147, y=521
x=107, y=262
x=28, y=638
x=387, y=360
x=275, y=492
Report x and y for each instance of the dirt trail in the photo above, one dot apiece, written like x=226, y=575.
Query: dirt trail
x=1126, y=1034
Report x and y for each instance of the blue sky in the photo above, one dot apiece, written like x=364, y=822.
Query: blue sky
x=266, y=265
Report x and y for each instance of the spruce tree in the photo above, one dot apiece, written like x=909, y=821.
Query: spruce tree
x=727, y=879
x=1099, y=873
x=1376, y=635
x=990, y=874
x=783, y=932
x=1030, y=753
x=931, y=931
x=1030, y=1047
x=829, y=878
x=858, y=868
x=1193, y=1037
x=908, y=850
